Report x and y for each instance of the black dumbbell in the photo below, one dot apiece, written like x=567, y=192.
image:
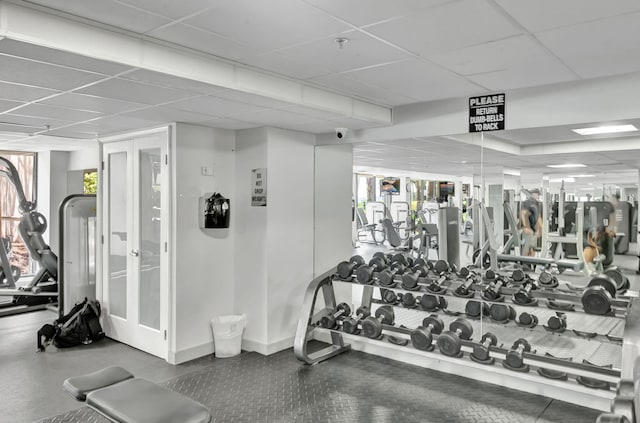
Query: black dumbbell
x=464, y=272
x=600, y=292
x=346, y=268
x=489, y=275
x=408, y=300
x=464, y=290
x=481, y=351
x=547, y=280
x=350, y=324
x=329, y=321
x=523, y=295
x=389, y=296
x=422, y=336
x=372, y=325
x=474, y=308
x=440, y=267
x=410, y=278
x=514, y=359
x=433, y=303
x=450, y=342
x=385, y=277
x=402, y=258
x=364, y=274
x=383, y=256
x=557, y=323
x=502, y=313
x=518, y=275
x=527, y=320
x=492, y=291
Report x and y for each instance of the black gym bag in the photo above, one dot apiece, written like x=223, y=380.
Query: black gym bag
x=80, y=326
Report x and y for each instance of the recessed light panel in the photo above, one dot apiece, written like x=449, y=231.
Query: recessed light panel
x=612, y=129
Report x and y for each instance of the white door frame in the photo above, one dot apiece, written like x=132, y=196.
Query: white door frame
x=167, y=299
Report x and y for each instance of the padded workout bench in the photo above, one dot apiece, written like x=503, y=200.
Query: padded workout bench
x=116, y=394
x=575, y=265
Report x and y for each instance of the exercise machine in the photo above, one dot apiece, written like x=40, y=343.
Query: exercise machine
x=42, y=290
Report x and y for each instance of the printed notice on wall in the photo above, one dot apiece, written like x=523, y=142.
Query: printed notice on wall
x=259, y=187
x=486, y=113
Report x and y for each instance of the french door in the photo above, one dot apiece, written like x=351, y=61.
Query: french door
x=135, y=228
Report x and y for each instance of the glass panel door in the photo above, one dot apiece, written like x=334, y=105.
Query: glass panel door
x=118, y=205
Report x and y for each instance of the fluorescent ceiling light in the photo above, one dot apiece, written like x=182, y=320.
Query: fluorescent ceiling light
x=567, y=165
x=612, y=129
x=581, y=176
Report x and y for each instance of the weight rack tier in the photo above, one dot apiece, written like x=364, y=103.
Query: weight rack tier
x=315, y=306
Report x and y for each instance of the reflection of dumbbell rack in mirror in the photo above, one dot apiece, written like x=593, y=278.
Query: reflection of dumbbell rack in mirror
x=518, y=310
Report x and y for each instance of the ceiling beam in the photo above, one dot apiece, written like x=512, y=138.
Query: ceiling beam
x=53, y=31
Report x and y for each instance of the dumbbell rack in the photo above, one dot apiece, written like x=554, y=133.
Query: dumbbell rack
x=566, y=390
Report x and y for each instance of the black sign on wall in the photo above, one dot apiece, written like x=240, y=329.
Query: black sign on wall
x=486, y=113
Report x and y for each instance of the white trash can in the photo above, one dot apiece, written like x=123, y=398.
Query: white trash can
x=227, y=334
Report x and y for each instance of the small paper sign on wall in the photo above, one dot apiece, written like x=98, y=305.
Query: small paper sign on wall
x=259, y=187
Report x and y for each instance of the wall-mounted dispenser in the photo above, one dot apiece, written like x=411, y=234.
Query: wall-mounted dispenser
x=215, y=211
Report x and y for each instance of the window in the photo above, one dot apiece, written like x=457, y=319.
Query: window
x=90, y=179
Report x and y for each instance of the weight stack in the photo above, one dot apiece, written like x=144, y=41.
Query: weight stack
x=449, y=235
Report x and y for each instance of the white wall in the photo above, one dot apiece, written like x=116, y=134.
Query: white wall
x=52, y=189
x=88, y=158
x=289, y=231
x=204, y=262
x=251, y=237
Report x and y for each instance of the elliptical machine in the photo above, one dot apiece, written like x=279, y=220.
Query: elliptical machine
x=43, y=287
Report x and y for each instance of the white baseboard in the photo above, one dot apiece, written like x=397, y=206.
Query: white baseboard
x=191, y=353
x=267, y=349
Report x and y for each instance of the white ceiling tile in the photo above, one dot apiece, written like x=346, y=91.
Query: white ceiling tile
x=135, y=92
x=57, y=113
x=71, y=134
x=450, y=26
x=361, y=51
x=279, y=63
x=171, y=8
x=35, y=121
x=547, y=14
x=314, y=113
x=527, y=76
x=584, y=48
x=9, y=104
x=354, y=87
x=28, y=72
x=205, y=41
x=108, y=12
x=224, y=123
x=20, y=92
x=268, y=24
x=363, y=12
x=314, y=127
x=91, y=103
x=18, y=128
x=214, y=106
x=168, y=115
x=278, y=118
x=254, y=99
x=418, y=80
x=119, y=123
x=170, y=81
x=58, y=57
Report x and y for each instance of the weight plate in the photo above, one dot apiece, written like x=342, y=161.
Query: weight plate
x=491, y=337
x=429, y=302
x=386, y=313
x=617, y=276
x=410, y=280
x=449, y=344
x=408, y=300
x=371, y=327
x=596, y=300
x=441, y=266
x=499, y=312
x=350, y=325
x=364, y=274
x=462, y=325
x=345, y=269
x=385, y=278
x=421, y=338
x=435, y=322
x=388, y=296
x=518, y=275
x=606, y=282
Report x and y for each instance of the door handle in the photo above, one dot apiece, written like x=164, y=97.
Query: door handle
x=134, y=253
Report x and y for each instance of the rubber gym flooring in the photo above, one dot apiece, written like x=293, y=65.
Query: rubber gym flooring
x=353, y=387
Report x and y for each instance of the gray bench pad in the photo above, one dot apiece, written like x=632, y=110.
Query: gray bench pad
x=565, y=264
x=141, y=401
x=80, y=386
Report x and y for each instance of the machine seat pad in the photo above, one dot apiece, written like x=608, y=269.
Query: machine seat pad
x=141, y=401
x=80, y=386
